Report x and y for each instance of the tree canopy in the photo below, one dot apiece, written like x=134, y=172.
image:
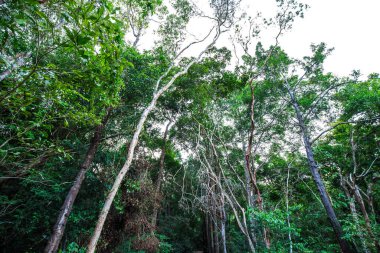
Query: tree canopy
x=197, y=143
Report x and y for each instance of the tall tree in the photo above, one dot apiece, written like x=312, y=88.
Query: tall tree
x=313, y=69
x=223, y=17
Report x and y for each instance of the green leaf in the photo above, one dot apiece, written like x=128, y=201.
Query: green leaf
x=82, y=40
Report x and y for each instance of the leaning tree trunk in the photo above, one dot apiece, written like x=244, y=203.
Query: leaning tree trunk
x=59, y=227
x=160, y=177
x=119, y=178
x=344, y=245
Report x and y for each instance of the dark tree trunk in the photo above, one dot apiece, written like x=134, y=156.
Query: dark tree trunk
x=252, y=174
x=216, y=226
x=211, y=224
x=354, y=213
x=223, y=225
x=208, y=234
x=160, y=177
x=59, y=227
x=344, y=245
x=363, y=209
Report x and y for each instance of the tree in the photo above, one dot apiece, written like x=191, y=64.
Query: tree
x=158, y=91
x=312, y=69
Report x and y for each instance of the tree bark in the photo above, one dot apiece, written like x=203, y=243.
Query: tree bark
x=59, y=227
x=344, y=245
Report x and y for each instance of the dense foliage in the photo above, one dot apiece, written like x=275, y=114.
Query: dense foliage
x=273, y=155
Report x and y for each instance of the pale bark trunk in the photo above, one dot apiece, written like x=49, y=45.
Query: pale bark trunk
x=211, y=216
x=131, y=150
x=223, y=236
x=344, y=245
x=242, y=224
x=160, y=177
x=59, y=227
x=287, y=213
x=223, y=225
x=137, y=37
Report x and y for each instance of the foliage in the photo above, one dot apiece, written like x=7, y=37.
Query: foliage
x=63, y=64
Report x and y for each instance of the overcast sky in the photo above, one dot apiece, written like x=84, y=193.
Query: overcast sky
x=352, y=27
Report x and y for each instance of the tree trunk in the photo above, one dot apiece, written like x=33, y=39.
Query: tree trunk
x=216, y=226
x=59, y=227
x=287, y=212
x=212, y=240
x=160, y=176
x=242, y=224
x=223, y=224
x=119, y=178
x=248, y=168
x=363, y=209
x=208, y=236
x=370, y=198
x=344, y=245
x=250, y=200
x=354, y=214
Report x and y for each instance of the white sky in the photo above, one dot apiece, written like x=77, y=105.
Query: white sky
x=352, y=27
